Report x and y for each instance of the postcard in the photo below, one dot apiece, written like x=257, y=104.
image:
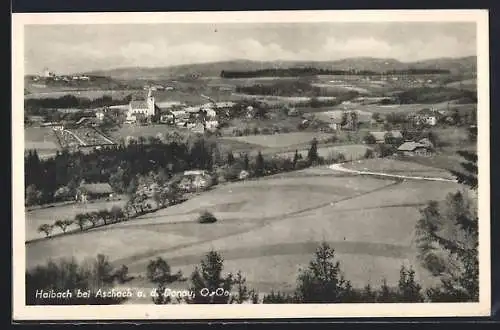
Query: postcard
x=203, y=165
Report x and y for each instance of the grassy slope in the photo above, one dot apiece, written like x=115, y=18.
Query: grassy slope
x=268, y=227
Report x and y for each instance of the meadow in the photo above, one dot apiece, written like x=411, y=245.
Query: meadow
x=268, y=228
x=399, y=167
x=42, y=139
x=281, y=140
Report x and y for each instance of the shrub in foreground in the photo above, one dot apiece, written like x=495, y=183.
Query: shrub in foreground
x=207, y=217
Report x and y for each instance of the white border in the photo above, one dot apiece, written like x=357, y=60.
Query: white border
x=23, y=312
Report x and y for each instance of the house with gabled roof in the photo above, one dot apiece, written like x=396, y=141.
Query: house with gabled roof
x=414, y=149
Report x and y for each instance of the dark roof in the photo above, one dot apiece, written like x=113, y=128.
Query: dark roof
x=411, y=146
x=138, y=104
x=96, y=188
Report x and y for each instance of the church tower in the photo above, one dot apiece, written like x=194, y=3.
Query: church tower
x=151, y=103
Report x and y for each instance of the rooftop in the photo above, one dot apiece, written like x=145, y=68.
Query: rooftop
x=96, y=188
x=138, y=104
x=411, y=146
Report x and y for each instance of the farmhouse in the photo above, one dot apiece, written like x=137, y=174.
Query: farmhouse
x=414, y=149
x=195, y=180
x=336, y=124
x=144, y=107
x=89, y=191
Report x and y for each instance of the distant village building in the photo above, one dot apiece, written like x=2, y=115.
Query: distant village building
x=211, y=124
x=47, y=73
x=144, y=108
x=90, y=191
x=99, y=114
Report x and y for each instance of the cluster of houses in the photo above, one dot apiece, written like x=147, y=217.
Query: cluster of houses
x=47, y=74
x=420, y=147
x=200, y=117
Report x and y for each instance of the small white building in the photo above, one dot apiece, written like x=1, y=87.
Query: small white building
x=99, y=115
x=211, y=124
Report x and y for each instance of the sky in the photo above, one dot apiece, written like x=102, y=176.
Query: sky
x=80, y=48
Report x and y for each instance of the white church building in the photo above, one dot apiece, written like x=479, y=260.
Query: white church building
x=145, y=107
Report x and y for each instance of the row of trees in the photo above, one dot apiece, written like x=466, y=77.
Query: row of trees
x=32, y=105
x=82, y=220
x=312, y=71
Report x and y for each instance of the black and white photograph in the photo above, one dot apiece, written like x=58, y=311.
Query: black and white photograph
x=327, y=163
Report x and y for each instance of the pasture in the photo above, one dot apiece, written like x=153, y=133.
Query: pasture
x=350, y=151
x=399, y=167
x=281, y=140
x=42, y=139
x=145, y=131
x=269, y=228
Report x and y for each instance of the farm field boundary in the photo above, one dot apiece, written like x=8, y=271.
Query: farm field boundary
x=338, y=167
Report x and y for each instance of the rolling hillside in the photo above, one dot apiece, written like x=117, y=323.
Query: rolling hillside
x=455, y=65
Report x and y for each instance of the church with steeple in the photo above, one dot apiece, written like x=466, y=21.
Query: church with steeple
x=141, y=107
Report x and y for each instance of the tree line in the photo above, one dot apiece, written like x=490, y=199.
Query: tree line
x=311, y=71
x=32, y=105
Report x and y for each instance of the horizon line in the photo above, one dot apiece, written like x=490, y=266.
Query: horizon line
x=257, y=61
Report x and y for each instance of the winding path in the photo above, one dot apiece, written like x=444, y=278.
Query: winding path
x=338, y=167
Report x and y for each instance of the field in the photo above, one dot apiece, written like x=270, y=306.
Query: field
x=145, y=131
x=269, y=228
x=391, y=166
x=281, y=140
x=42, y=139
x=406, y=108
x=37, y=217
x=337, y=113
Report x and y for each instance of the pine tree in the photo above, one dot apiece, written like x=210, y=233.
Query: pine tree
x=409, y=289
x=259, y=165
x=447, y=238
x=469, y=175
x=230, y=158
x=322, y=281
x=312, y=156
x=208, y=283
x=159, y=273
x=295, y=158
x=246, y=162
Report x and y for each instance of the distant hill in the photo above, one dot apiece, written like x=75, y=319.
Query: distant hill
x=455, y=65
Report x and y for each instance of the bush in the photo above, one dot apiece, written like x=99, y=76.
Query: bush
x=121, y=274
x=369, y=154
x=207, y=217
